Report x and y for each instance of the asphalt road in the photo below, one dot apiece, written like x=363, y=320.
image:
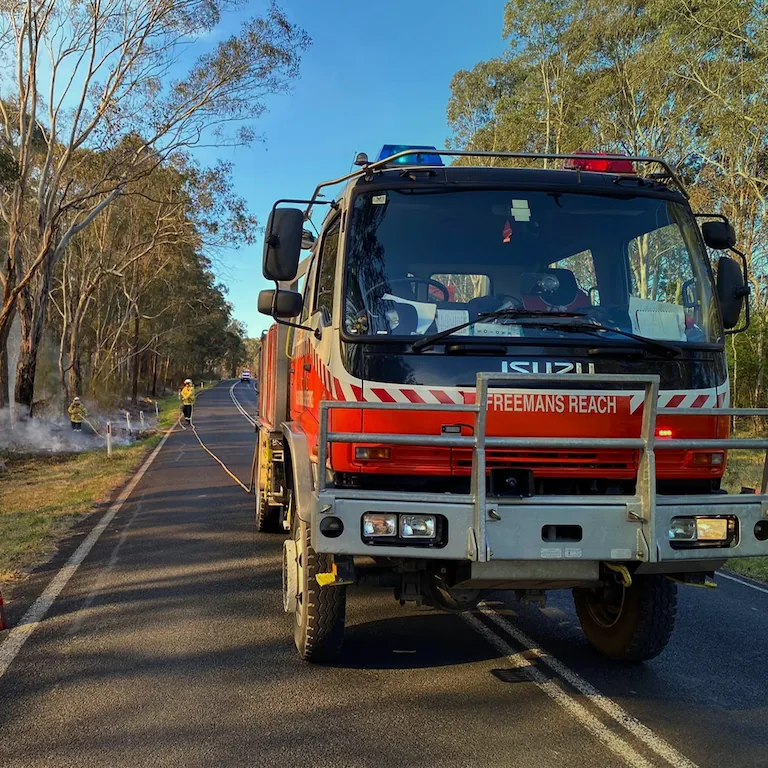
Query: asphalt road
x=168, y=647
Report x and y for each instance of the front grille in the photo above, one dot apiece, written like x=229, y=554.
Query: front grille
x=623, y=460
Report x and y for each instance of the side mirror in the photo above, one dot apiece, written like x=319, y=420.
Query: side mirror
x=280, y=303
x=307, y=240
x=719, y=235
x=282, y=244
x=731, y=290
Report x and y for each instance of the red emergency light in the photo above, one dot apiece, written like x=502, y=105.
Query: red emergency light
x=600, y=162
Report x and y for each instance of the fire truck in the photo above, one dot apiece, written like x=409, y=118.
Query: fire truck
x=502, y=373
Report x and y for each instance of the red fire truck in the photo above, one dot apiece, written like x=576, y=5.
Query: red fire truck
x=502, y=378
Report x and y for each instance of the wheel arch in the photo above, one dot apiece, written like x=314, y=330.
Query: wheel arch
x=301, y=469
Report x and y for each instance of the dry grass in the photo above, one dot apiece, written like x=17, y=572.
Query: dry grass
x=42, y=497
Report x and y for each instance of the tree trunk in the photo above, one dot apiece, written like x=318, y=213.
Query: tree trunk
x=758, y=391
x=154, y=374
x=136, y=360
x=5, y=395
x=165, y=373
x=31, y=306
x=75, y=371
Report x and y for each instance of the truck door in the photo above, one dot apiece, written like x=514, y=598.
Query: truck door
x=321, y=287
x=298, y=341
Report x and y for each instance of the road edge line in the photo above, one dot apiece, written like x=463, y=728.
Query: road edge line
x=30, y=621
x=743, y=582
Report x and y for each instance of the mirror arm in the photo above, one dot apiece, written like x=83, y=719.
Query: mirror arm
x=316, y=331
x=745, y=292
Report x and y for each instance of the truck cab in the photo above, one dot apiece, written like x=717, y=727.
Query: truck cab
x=502, y=378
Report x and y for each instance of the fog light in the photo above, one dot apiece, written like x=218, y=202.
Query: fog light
x=417, y=526
x=701, y=529
x=711, y=529
x=375, y=524
x=376, y=453
x=682, y=529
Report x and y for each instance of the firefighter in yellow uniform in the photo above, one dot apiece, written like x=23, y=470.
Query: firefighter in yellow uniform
x=77, y=413
x=187, y=399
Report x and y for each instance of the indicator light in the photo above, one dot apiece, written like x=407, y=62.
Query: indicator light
x=375, y=453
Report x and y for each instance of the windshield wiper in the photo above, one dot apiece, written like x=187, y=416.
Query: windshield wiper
x=506, y=312
x=590, y=326
x=663, y=347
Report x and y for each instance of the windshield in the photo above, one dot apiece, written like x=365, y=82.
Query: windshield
x=423, y=261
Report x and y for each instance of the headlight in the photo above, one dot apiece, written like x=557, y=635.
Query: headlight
x=375, y=524
x=709, y=529
x=417, y=526
x=701, y=529
x=682, y=529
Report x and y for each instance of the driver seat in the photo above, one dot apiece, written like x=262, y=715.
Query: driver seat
x=565, y=298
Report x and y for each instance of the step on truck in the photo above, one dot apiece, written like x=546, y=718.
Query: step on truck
x=506, y=373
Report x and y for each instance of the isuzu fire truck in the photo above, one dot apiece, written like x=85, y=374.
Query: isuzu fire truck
x=504, y=377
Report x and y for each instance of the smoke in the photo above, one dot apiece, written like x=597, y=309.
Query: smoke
x=54, y=434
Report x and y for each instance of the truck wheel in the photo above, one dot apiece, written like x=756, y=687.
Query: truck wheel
x=318, y=612
x=628, y=623
x=267, y=515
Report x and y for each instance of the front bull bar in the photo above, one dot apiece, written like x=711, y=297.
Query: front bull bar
x=641, y=506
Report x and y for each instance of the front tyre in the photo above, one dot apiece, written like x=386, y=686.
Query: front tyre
x=267, y=515
x=318, y=612
x=628, y=623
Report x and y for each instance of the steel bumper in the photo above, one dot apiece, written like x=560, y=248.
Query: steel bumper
x=607, y=528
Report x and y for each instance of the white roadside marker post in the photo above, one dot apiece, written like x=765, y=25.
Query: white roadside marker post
x=157, y=412
x=128, y=422
x=109, y=439
x=141, y=418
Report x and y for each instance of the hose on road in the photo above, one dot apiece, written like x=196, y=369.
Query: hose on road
x=251, y=481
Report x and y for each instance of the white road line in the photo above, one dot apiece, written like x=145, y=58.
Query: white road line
x=32, y=618
x=741, y=581
x=577, y=711
x=239, y=407
x=80, y=614
x=654, y=742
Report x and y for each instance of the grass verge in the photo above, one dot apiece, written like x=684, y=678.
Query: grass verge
x=42, y=497
x=745, y=469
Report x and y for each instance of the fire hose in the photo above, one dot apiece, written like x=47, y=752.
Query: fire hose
x=251, y=481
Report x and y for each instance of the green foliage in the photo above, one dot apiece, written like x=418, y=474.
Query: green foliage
x=684, y=81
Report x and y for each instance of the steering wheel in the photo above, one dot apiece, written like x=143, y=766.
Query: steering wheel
x=424, y=280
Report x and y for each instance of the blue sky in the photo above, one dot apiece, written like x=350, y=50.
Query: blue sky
x=377, y=73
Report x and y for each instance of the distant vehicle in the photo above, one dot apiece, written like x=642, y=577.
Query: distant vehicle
x=245, y=376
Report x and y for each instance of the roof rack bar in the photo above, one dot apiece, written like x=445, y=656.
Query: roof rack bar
x=378, y=165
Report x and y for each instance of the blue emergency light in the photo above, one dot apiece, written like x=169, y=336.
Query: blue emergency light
x=422, y=157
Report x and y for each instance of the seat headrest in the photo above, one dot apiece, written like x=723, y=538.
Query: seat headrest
x=560, y=292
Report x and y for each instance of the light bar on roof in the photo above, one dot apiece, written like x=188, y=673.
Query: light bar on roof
x=423, y=156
